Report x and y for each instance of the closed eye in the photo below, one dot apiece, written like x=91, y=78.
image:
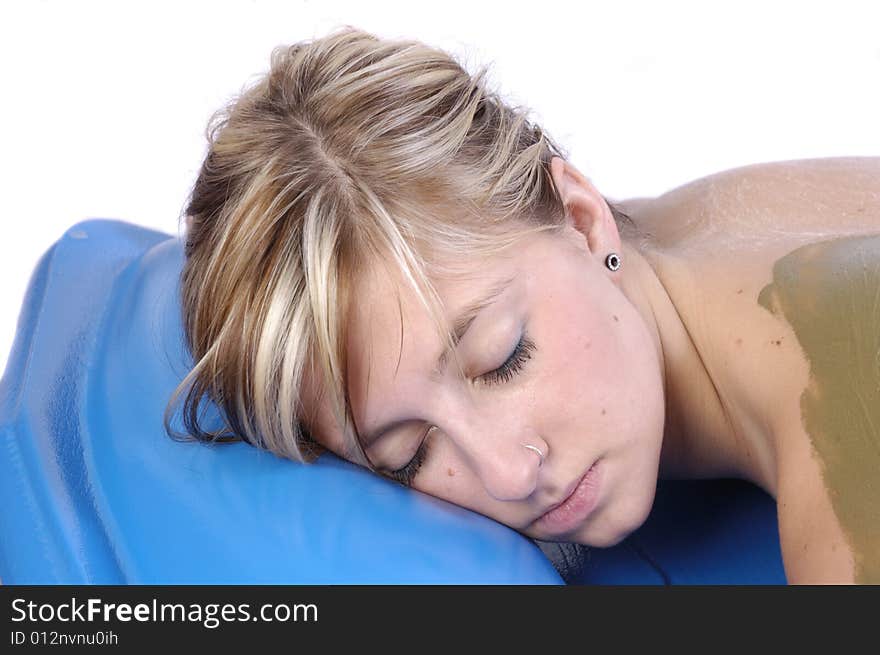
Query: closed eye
x=406, y=474
x=514, y=363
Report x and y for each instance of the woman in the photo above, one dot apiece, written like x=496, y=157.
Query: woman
x=385, y=260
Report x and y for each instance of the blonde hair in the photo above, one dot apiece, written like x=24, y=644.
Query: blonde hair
x=352, y=150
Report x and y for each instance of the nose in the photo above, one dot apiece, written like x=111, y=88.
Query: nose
x=507, y=469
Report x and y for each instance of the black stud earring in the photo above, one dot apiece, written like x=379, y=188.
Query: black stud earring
x=612, y=261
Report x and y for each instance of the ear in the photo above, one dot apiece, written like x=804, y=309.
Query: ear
x=585, y=209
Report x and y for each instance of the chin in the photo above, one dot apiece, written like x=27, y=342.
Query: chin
x=615, y=523
x=603, y=539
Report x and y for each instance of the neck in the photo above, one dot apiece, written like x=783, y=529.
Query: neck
x=705, y=435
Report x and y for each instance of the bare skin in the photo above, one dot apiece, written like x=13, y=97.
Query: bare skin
x=725, y=233
x=668, y=367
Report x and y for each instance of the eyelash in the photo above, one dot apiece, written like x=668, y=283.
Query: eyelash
x=514, y=363
x=503, y=373
x=406, y=474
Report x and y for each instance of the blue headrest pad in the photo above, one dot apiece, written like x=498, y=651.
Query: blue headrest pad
x=699, y=532
x=96, y=492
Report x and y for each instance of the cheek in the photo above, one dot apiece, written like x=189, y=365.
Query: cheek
x=595, y=388
x=576, y=354
x=447, y=476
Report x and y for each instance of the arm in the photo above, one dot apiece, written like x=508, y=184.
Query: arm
x=814, y=547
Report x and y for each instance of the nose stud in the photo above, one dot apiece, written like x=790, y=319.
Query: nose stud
x=535, y=449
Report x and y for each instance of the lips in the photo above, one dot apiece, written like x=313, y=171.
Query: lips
x=569, y=513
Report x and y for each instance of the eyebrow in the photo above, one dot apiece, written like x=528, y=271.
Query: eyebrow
x=460, y=326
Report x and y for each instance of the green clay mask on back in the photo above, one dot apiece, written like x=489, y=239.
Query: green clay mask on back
x=829, y=292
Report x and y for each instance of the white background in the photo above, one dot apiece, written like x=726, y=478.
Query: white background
x=104, y=104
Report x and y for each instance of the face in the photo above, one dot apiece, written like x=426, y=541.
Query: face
x=560, y=361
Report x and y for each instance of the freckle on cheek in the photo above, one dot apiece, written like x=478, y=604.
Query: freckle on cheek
x=450, y=473
x=603, y=411
x=615, y=317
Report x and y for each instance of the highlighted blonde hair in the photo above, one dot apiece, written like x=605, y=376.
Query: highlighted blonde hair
x=351, y=152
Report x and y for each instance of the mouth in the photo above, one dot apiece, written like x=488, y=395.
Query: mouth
x=575, y=507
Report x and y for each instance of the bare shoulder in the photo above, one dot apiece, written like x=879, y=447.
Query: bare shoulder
x=846, y=189
x=861, y=167
x=778, y=284
x=809, y=197
x=826, y=293
x=857, y=177
x=815, y=549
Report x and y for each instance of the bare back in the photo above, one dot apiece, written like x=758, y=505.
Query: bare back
x=775, y=271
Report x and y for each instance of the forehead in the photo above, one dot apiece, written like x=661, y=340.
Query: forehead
x=391, y=333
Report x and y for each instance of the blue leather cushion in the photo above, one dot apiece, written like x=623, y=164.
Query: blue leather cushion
x=96, y=492
x=698, y=532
